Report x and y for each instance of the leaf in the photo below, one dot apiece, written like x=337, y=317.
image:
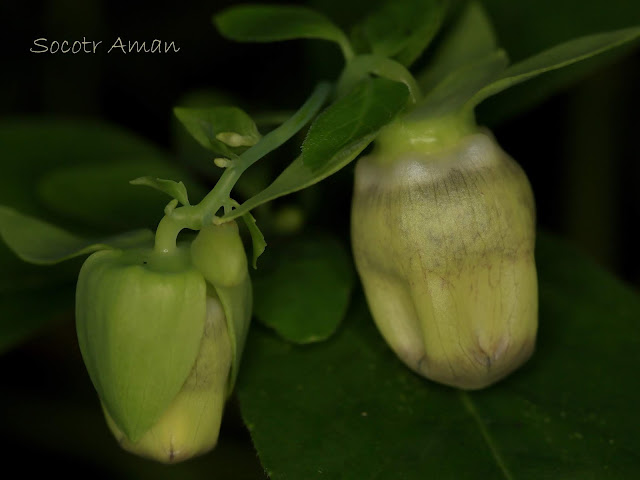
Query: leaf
x=272, y=23
x=257, y=238
x=453, y=93
x=527, y=27
x=174, y=189
x=220, y=129
x=468, y=86
x=471, y=38
x=556, y=57
x=90, y=194
x=303, y=289
x=336, y=137
x=41, y=243
x=60, y=143
x=401, y=29
x=355, y=411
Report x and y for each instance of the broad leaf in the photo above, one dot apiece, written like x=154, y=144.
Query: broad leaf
x=336, y=137
x=272, y=23
x=172, y=188
x=355, y=411
x=400, y=29
x=41, y=243
x=223, y=130
x=90, y=194
x=303, y=288
x=471, y=38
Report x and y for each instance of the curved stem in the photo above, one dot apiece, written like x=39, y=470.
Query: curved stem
x=216, y=198
x=195, y=216
x=167, y=234
x=385, y=67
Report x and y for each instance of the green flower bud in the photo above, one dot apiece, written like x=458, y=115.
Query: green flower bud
x=443, y=232
x=219, y=254
x=162, y=346
x=190, y=425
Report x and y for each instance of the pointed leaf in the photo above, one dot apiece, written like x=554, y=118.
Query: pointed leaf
x=357, y=412
x=336, y=137
x=554, y=58
x=39, y=242
x=471, y=38
x=401, y=29
x=272, y=23
x=223, y=130
x=257, y=238
x=303, y=288
x=174, y=189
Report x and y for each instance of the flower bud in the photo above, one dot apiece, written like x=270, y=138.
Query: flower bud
x=190, y=425
x=218, y=253
x=161, y=346
x=443, y=239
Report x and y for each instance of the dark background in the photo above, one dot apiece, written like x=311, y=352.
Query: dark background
x=578, y=147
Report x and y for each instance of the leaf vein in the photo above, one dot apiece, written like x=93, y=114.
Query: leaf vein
x=471, y=409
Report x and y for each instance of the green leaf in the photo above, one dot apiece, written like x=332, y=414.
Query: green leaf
x=61, y=144
x=527, y=27
x=90, y=194
x=223, y=130
x=303, y=289
x=471, y=38
x=452, y=94
x=272, y=23
x=174, y=189
x=556, y=57
x=401, y=29
x=336, y=137
x=355, y=411
x=465, y=88
x=41, y=243
x=257, y=238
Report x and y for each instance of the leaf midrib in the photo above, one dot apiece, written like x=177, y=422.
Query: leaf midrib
x=471, y=410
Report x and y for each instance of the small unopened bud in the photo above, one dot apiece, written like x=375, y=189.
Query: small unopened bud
x=219, y=254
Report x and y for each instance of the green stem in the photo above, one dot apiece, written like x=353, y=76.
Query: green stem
x=217, y=197
x=167, y=234
x=194, y=217
x=363, y=65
